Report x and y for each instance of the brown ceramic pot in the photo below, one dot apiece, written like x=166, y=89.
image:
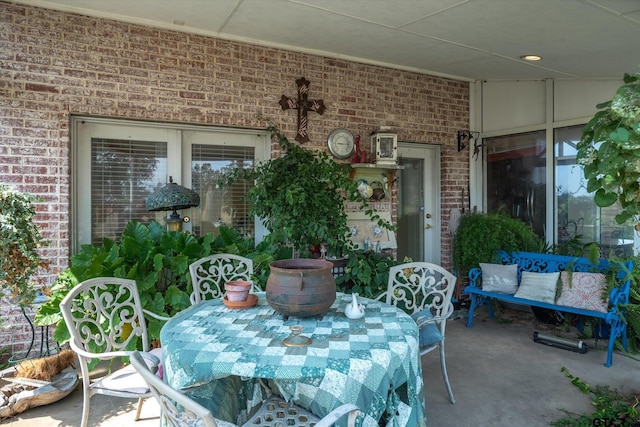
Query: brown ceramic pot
x=301, y=287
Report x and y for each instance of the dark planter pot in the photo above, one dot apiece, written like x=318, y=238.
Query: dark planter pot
x=302, y=287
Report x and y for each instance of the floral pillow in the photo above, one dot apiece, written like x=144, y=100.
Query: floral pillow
x=502, y=279
x=584, y=290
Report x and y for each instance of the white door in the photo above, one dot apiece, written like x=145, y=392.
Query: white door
x=418, y=232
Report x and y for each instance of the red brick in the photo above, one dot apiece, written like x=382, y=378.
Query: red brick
x=62, y=63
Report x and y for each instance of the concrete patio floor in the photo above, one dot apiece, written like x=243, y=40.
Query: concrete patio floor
x=499, y=376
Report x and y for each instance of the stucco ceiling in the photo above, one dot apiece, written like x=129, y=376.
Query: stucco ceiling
x=466, y=39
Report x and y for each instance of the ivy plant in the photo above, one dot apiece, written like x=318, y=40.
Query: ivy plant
x=609, y=150
x=301, y=196
x=20, y=241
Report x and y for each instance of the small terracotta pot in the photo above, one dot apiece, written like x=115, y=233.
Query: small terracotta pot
x=237, y=290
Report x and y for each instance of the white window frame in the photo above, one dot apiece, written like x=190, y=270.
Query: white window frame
x=84, y=128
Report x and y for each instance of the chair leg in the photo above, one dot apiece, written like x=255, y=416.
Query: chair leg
x=86, y=403
x=139, y=410
x=443, y=365
x=472, y=308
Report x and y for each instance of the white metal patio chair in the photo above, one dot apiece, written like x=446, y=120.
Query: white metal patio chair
x=424, y=290
x=209, y=274
x=179, y=410
x=105, y=319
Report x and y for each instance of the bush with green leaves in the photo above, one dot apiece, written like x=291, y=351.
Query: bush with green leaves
x=158, y=260
x=366, y=273
x=20, y=241
x=480, y=236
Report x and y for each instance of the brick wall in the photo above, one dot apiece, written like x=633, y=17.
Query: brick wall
x=54, y=65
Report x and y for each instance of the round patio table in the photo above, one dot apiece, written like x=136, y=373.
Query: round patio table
x=214, y=354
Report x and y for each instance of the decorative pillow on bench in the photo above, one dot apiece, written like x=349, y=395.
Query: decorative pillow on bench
x=538, y=286
x=584, y=291
x=502, y=279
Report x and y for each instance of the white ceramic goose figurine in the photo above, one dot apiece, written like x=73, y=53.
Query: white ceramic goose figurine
x=353, y=310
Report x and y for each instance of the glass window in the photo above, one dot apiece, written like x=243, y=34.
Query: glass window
x=578, y=219
x=117, y=164
x=516, y=177
x=221, y=206
x=123, y=174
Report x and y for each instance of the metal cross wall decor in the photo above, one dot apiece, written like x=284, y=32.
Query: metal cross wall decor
x=303, y=104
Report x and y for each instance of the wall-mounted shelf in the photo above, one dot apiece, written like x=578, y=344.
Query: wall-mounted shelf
x=375, y=166
x=369, y=171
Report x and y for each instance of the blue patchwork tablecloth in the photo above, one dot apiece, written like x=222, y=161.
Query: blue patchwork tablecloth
x=214, y=354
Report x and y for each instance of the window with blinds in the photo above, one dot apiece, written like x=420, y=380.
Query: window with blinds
x=123, y=174
x=221, y=206
x=117, y=164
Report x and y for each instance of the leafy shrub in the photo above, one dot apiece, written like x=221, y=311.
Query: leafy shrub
x=480, y=236
x=158, y=260
x=366, y=274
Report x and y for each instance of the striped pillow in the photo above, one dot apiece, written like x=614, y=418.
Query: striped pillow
x=538, y=286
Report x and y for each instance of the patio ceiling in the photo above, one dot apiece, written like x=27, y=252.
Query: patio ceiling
x=464, y=39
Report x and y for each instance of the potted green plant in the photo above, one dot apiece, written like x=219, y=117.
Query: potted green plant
x=20, y=242
x=609, y=152
x=301, y=196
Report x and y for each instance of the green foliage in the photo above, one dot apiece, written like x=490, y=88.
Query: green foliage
x=366, y=273
x=611, y=408
x=158, y=260
x=632, y=315
x=301, y=196
x=609, y=150
x=20, y=240
x=617, y=272
x=480, y=236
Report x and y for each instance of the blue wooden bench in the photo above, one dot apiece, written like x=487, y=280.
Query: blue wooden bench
x=546, y=263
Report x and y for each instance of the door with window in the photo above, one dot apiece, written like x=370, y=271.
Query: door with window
x=117, y=164
x=418, y=234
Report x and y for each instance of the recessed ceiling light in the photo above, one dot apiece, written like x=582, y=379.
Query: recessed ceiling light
x=178, y=22
x=531, y=57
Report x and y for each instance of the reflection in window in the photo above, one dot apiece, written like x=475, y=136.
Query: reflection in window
x=578, y=219
x=123, y=174
x=516, y=177
x=221, y=206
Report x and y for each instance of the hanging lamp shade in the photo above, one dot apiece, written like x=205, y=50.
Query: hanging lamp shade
x=172, y=197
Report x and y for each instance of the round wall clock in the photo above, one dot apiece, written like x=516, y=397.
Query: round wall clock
x=341, y=143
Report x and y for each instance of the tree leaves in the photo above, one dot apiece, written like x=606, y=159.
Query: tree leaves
x=609, y=151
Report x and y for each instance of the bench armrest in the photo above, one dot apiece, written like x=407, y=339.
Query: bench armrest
x=474, y=277
x=620, y=294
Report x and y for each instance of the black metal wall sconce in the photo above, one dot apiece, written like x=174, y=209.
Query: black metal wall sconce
x=468, y=136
